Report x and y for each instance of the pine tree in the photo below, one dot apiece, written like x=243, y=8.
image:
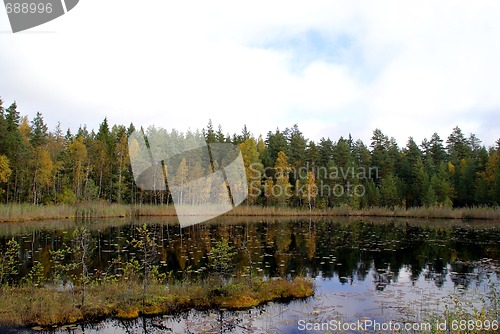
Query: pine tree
x=103, y=152
x=371, y=197
x=245, y=134
x=380, y=156
x=12, y=141
x=325, y=151
x=276, y=142
x=407, y=173
x=361, y=155
x=121, y=152
x=219, y=136
x=312, y=155
x=457, y=146
x=389, y=194
x=39, y=166
x=296, y=147
x=429, y=198
x=437, y=151
x=209, y=133
x=39, y=131
x=420, y=184
x=442, y=185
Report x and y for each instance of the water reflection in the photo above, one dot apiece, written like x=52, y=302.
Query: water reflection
x=363, y=268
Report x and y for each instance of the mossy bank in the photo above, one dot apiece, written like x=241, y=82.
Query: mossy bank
x=48, y=306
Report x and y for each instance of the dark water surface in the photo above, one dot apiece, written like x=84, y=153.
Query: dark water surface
x=364, y=269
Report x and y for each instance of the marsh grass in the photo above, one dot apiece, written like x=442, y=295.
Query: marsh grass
x=22, y=212
x=29, y=212
x=489, y=213
x=468, y=312
x=47, y=306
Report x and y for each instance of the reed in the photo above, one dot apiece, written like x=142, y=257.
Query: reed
x=489, y=213
x=20, y=212
x=29, y=212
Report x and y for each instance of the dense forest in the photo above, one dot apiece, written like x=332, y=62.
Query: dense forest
x=47, y=167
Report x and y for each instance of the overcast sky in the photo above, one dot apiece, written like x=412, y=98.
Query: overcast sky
x=333, y=67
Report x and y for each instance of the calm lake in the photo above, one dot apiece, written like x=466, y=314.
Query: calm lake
x=364, y=269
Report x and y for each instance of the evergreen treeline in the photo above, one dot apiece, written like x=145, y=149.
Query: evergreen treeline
x=286, y=169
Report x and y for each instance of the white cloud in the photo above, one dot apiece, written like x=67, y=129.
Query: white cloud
x=410, y=69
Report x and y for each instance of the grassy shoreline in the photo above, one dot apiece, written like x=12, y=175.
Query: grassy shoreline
x=29, y=212
x=27, y=306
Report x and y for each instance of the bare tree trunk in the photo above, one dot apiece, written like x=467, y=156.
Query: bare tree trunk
x=15, y=188
x=100, y=184
x=34, y=189
x=119, y=198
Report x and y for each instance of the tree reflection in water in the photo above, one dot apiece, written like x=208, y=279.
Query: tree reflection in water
x=349, y=251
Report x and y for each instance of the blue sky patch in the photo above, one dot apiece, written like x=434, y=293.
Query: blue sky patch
x=313, y=45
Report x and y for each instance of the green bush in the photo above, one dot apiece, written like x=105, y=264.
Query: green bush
x=66, y=197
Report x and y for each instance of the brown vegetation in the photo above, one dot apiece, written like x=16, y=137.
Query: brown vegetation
x=27, y=212
x=48, y=306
